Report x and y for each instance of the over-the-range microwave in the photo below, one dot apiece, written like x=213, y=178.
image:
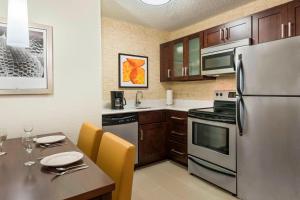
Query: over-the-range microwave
x=220, y=59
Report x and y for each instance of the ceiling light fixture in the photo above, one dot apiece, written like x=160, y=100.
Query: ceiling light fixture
x=155, y=2
x=17, y=24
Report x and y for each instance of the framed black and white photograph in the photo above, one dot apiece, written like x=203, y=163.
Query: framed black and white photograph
x=27, y=71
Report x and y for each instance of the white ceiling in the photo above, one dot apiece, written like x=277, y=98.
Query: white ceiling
x=171, y=16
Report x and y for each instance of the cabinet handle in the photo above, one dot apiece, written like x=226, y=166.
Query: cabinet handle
x=177, y=152
x=290, y=29
x=142, y=135
x=169, y=73
x=178, y=118
x=186, y=71
x=177, y=133
x=221, y=34
x=226, y=33
x=282, y=31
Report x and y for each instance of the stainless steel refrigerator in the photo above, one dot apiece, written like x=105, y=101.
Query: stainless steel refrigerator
x=268, y=118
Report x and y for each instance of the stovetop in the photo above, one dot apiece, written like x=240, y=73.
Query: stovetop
x=223, y=111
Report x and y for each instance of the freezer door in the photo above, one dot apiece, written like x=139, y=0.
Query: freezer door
x=268, y=152
x=271, y=68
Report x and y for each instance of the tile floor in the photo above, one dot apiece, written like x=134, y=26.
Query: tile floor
x=170, y=181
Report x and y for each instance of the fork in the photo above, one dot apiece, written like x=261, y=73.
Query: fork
x=68, y=171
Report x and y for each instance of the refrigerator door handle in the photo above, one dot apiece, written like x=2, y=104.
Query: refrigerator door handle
x=234, y=63
x=239, y=76
x=240, y=117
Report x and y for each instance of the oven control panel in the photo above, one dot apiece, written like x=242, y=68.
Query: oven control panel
x=225, y=95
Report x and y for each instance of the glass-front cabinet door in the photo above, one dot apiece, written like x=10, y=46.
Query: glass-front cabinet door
x=186, y=62
x=178, y=59
x=194, y=58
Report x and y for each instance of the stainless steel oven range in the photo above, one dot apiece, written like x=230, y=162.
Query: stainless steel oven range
x=212, y=141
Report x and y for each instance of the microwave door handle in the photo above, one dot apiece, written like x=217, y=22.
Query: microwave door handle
x=211, y=169
x=239, y=76
x=240, y=117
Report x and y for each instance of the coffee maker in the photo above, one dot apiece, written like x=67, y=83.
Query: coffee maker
x=117, y=100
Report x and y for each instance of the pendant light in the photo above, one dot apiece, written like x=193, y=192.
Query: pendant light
x=17, y=24
x=155, y=2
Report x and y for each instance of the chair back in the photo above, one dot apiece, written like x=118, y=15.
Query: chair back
x=89, y=140
x=116, y=157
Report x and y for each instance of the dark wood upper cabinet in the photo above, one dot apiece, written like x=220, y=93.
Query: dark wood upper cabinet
x=238, y=30
x=180, y=60
x=152, y=142
x=214, y=36
x=294, y=18
x=232, y=31
x=270, y=25
x=193, y=56
x=166, y=62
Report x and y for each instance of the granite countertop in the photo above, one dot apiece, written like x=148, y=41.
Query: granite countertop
x=179, y=105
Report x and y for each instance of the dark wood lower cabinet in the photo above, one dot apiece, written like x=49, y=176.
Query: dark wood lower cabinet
x=177, y=152
x=177, y=136
x=162, y=134
x=152, y=142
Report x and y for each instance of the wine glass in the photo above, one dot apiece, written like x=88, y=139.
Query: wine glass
x=3, y=137
x=28, y=144
x=28, y=128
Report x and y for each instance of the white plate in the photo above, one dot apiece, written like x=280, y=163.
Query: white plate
x=50, y=139
x=61, y=159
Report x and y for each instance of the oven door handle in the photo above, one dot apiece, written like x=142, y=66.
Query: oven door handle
x=211, y=169
x=240, y=117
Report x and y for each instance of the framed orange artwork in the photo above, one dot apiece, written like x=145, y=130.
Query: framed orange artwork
x=133, y=71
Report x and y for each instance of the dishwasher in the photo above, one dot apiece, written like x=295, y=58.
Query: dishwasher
x=123, y=125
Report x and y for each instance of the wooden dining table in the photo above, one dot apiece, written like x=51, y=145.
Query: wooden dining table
x=19, y=182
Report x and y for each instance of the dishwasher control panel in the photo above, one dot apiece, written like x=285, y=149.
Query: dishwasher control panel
x=114, y=119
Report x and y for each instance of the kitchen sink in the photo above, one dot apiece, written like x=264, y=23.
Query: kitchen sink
x=141, y=108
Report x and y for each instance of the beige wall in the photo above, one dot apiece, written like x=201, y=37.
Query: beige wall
x=145, y=41
x=77, y=85
x=122, y=37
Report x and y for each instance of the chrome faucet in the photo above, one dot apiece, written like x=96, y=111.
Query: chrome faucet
x=138, y=96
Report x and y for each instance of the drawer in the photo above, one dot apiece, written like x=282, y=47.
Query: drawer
x=179, y=137
x=150, y=117
x=178, y=121
x=219, y=176
x=178, y=116
x=177, y=152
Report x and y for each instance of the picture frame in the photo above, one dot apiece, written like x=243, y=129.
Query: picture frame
x=133, y=71
x=27, y=71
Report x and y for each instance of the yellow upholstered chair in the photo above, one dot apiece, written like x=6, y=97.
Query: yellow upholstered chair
x=116, y=157
x=89, y=140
